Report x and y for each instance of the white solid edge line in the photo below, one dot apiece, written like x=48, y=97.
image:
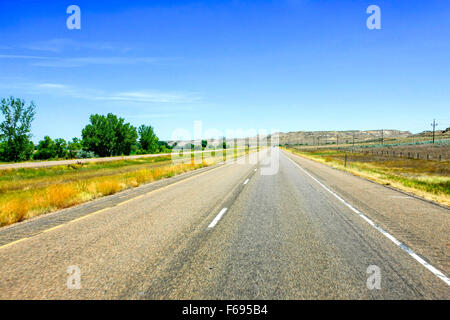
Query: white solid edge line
x=217, y=218
x=246, y=181
x=435, y=271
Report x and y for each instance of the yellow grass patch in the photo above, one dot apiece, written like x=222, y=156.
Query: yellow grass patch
x=107, y=187
x=404, y=174
x=50, y=189
x=27, y=202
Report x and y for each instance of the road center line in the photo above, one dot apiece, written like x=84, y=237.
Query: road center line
x=405, y=248
x=217, y=218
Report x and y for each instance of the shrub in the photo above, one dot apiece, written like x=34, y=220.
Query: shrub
x=82, y=154
x=46, y=149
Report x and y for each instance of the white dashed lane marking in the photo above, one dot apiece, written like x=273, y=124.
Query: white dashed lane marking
x=217, y=218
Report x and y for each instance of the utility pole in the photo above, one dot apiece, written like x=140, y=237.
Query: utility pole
x=434, y=124
x=353, y=140
x=382, y=136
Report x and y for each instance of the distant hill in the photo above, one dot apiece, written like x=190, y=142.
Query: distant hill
x=439, y=134
x=338, y=137
x=320, y=137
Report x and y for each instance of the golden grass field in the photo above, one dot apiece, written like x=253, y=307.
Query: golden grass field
x=26, y=193
x=427, y=179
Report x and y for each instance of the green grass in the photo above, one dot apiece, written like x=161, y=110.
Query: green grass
x=429, y=179
x=25, y=193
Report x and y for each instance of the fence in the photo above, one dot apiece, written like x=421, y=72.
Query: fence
x=399, y=154
x=439, y=154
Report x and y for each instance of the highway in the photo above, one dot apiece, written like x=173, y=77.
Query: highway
x=233, y=231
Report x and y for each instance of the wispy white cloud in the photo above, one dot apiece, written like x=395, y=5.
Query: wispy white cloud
x=17, y=56
x=59, y=45
x=84, y=61
x=152, y=96
x=155, y=115
x=52, y=86
x=139, y=97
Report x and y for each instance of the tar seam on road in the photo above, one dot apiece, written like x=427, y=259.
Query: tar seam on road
x=224, y=164
x=405, y=248
x=217, y=218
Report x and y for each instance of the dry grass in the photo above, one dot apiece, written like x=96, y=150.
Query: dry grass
x=25, y=193
x=18, y=205
x=428, y=179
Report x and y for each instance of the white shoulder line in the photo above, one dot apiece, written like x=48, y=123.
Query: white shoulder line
x=435, y=271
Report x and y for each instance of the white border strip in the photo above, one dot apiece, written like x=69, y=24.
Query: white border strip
x=435, y=271
x=217, y=218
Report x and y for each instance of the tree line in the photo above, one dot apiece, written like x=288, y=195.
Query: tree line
x=105, y=135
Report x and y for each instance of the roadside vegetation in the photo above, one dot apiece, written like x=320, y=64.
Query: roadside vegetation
x=26, y=193
x=104, y=136
x=429, y=179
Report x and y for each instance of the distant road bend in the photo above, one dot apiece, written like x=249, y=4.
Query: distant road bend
x=230, y=232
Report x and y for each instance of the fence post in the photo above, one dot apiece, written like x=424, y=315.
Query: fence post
x=440, y=157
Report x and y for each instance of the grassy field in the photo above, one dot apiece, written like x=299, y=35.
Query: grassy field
x=428, y=179
x=25, y=193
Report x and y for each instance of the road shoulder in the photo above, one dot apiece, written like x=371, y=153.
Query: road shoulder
x=419, y=224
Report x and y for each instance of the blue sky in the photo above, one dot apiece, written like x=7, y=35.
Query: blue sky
x=287, y=65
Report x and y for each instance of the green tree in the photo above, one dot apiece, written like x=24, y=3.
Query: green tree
x=126, y=138
x=165, y=147
x=15, y=130
x=46, y=149
x=224, y=142
x=73, y=147
x=204, y=144
x=108, y=135
x=148, y=141
x=61, y=148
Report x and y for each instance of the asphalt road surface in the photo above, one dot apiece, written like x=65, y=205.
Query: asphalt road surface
x=236, y=231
